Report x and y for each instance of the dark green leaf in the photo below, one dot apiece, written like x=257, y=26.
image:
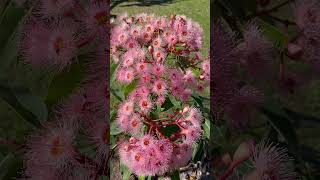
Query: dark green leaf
x=10, y=166
x=64, y=84
x=198, y=100
x=8, y=22
x=282, y=125
x=272, y=33
x=9, y=97
x=169, y=130
x=175, y=175
x=198, y=152
x=167, y=104
x=232, y=8
x=33, y=104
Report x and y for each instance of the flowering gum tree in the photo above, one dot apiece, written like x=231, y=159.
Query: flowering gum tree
x=160, y=57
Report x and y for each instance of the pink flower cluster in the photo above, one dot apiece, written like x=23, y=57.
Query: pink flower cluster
x=160, y=55
x=56, y=30
x=155, y=153
x=148, y=48
x=149, y=156
x=53, y=42
x=233, y=95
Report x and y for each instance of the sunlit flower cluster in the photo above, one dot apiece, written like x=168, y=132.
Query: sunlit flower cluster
x=161, y=56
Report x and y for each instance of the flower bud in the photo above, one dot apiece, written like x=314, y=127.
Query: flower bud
x=202, y=77
x=294, y=50
x=243, y=152
x=133, y=140
x=253, y=175
x=150, y=49
x=185, y=109
x=226, y=159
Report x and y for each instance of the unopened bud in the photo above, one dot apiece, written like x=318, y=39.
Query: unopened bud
x=253, y=175
x=133, y=140
x=150, y=49
x=243, y=152
x=294, y=50
x=226, y=159
x=185, y=110
x=201, y=77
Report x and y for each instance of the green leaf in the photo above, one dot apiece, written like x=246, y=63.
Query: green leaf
x=175, y=175
x=130, y=87
x=114, y=129
x=33, y=104
x=198, y=151
x=8, y=22
x=113, y=69
x=125, y=172
x=169, y=130
x=198, y=101
x=117, y=94
x=113, y=115
x=232, y=8
x=64, y=83
x=8, y=96
x=173, y=100
x=206, y=127
x=5, y=164
x=9, y=45
x=10, y=166
x=282, y=125
x=167, y=104
x=276, y=36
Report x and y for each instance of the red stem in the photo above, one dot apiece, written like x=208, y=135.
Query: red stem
x=229, y=171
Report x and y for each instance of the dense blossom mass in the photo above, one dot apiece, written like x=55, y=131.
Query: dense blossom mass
x=162, y=57
x=51, y=39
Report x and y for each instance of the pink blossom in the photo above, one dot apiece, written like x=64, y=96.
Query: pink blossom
x=44, y=46
x=181, y=155
x=52, y=148
x=95, y=21
x=142, y=67
x=55, y=8
x=307, y=13
x=145, y=105
x=159, y=87
x=126, y=108
x=272, y=161
x=158, y=69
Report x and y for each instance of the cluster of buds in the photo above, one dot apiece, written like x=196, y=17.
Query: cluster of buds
x=160, y=55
